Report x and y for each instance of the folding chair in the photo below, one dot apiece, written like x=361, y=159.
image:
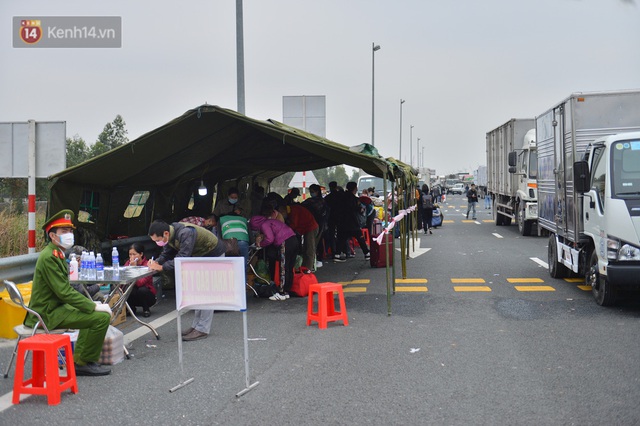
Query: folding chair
x=22, y=330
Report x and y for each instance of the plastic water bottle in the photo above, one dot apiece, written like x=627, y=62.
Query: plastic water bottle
x=99, y=267
x=115, y=260
x=73, y=268
x=82, y=274
x=92, y=266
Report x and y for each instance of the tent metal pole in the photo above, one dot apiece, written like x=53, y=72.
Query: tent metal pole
x=394, y=208
x=385, y=241
x=403, y=232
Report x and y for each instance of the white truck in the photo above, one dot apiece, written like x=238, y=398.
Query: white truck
x=589, y=189
x=480, y=179
x=511, y=174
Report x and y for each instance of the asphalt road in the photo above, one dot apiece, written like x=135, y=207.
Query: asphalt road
x=479, y=334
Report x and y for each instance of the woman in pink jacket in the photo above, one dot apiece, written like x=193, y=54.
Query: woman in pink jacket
x=279, y=242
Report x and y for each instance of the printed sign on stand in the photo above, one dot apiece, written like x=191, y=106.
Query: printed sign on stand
x=212, y=283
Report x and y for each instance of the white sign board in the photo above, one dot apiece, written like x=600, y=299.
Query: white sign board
x=210, y=283
x=51, y=149
x=307, y=113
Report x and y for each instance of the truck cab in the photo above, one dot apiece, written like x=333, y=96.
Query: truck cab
x=609, y=180
x=524, y=164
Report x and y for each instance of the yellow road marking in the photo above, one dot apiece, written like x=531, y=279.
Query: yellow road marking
x=468, y=221
x=471, y=288
x=412, y=289
x=534, y=288
x=411, y=281
x=363, y=281
x=354, y=290
x=448, y=221
x=584, y=287
x=467, y=280
x=525, y=280
x=574, y=280
x=487, y=220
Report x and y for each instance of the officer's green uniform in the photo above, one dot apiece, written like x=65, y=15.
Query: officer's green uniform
x=61, y=306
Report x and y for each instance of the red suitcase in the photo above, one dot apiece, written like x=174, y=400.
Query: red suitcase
x=379, y=252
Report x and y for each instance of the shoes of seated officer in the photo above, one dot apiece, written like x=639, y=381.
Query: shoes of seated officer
x=367, y=256
x=187, y=331
x=339, y=258
x=146, y=313
x=194, y=335
x=91, y=369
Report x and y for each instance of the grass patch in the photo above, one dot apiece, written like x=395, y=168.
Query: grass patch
x=14, y=235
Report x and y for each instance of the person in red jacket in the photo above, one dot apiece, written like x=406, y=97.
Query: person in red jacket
x=301, y=220
x=144, y=293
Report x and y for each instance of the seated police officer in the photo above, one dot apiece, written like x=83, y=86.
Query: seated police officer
x=63, y=307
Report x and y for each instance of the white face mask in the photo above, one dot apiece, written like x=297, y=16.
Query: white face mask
x=66, y=240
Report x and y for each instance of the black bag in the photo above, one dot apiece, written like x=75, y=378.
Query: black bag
x=264, y=289
x=232, y=249
x=427, y=202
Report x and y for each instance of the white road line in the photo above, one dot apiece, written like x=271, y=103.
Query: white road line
x=5, y=400
x=540, y=262
x=495, y=234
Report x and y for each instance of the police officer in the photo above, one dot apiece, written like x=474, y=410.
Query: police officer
x=63, y=307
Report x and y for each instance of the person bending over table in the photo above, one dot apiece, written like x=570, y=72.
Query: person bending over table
x=63, y=307
x=279, y=241
x=144, y=293
x=186, y=240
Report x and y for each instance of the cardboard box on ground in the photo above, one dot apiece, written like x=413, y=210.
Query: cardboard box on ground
x=122, y=317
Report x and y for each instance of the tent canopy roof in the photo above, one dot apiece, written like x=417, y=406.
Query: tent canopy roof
x=216, y=144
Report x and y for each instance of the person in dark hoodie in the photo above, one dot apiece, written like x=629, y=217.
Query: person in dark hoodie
x=349, y=224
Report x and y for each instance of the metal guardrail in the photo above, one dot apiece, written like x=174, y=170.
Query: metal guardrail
x=19, y=269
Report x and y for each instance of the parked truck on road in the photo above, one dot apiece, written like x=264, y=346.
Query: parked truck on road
x=589, y=189
x=511, y=174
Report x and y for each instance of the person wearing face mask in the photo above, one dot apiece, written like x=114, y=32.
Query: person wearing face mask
x=230, y=205
x=186, y=240
x=143, y=293
x=63, y=307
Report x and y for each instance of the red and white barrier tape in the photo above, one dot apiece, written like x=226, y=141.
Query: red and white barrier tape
x=401, y=214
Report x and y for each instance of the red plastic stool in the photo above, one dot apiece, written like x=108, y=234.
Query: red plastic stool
x=326, y=306
x=365, y=234
x=45, y=376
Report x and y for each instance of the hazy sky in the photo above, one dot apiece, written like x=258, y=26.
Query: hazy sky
x=463, y=67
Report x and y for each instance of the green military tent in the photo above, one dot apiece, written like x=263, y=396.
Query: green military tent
x=157, y=175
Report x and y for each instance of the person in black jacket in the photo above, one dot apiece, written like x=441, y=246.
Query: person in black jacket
x=426, y=202
x=472, y=197
x=349, y=224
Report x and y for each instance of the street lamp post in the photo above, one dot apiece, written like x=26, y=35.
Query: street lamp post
x=411, y=145
x=240, y=56
x=400, y=154
x=374, y=48
x=418, y=154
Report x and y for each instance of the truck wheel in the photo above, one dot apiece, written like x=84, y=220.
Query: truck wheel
x=497, y=217
x=524, y=226
x=601, y=289
x=556, y=269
